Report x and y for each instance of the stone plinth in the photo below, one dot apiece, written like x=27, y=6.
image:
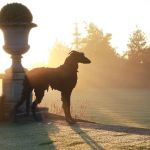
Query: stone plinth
x=12, y=88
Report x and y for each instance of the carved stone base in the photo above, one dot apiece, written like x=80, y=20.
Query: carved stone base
x=12, y=90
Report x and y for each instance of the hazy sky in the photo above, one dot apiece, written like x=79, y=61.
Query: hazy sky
x=56, y=18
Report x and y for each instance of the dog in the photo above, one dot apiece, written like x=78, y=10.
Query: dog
x=62, y=78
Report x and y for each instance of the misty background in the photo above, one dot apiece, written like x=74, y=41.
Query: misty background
x=114, y=88
x=108, y=68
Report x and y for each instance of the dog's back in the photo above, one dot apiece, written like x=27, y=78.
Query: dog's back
x=39, y=77
x=58, y=78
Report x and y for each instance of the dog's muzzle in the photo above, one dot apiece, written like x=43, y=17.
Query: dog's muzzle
x=86, y=61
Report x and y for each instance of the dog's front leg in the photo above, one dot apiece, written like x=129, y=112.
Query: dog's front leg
x=66, y=106
x=39, y=93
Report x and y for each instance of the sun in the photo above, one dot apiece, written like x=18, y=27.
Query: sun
x=5, y=61
x=37, y=54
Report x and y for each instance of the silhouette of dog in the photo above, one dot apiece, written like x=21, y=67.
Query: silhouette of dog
x=62, y=78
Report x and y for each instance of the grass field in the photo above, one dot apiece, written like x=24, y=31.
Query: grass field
x=123, y=116
x=127, y=107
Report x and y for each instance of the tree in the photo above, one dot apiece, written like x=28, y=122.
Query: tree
x=146, y=57
x=58, y=54
x=77, y=40
x=97, y=44
x=103, y=71
x=136, y=46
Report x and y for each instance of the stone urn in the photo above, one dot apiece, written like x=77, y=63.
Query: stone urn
x=15, y=23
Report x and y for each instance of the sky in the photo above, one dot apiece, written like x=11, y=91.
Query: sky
x=56, y=18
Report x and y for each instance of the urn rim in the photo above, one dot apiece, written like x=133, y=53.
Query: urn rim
x=16, y=24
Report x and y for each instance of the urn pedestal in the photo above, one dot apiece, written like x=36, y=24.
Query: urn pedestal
x=16, y=44
x=12, y=89
x=15, y=23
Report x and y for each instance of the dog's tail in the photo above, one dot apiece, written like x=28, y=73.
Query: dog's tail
x=26, y=84
x=27, y=89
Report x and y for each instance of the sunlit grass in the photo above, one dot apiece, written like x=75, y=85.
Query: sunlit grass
x=56, y=108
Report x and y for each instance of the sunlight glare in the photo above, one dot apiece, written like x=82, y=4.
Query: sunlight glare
x=55, y=20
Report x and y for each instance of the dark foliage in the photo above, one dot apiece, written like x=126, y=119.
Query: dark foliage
x=15, y=12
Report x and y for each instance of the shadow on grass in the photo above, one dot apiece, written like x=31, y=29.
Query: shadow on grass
x=27, y=135
x=86, y=137
x=114, y=128
x=117, y=128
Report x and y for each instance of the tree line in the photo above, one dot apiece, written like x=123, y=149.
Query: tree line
x=108, y=68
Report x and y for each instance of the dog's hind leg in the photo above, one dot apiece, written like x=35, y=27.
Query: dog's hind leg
x=25, y=96
x=39, y=96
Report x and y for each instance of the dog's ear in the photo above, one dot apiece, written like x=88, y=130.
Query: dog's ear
x=73, y=51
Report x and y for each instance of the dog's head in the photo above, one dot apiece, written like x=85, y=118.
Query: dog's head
x=79, y=57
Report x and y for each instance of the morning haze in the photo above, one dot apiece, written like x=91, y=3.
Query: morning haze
x=85, y=31
x=112, y=90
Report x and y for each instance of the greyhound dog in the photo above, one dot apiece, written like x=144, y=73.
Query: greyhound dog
x=62, y=78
